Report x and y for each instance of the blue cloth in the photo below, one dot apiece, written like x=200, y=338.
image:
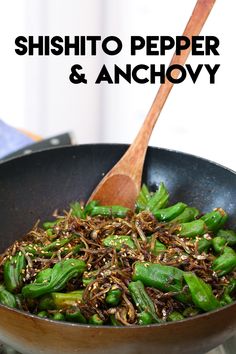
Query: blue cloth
x=11, y=140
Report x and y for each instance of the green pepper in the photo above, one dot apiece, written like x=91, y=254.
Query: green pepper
x=191, y=311
x=118, y=241
x=169, y=213
x=89, y=207
x=232, y=286
x=157, y=247
x=42, y=314
x=75, y=315
x=67, y=299
x=159, y=199
x=144, y=318
x=56, y=244
x=113, y=297
x=226, y=299
x=189, y=214
x=46, y=303
x=88, y=277
x=13, y=272
x=218, y=244
x=201, y=292
x=32, y=250
x=143, y=198
x=6, y=298
x=77, y=248
x=114, y=210
x=228, y=290
x=95, y=320
x=192, y=228
x=62, y=272
x=50, y=224
x=215, y=219
x=47, y=251
x=77, y=210
x=225, y=263
x=44, y=276
x=142, y=300
x=58, y=316
x=162, y=277
x=204, y=244
x=58, y=300
x=175, y=316
x=49, y=232
x=87, y=281
x=228, y=235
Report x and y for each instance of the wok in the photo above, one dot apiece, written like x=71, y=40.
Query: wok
x=31, y=187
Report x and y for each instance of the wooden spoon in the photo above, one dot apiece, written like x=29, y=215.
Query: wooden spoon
x=121, y=184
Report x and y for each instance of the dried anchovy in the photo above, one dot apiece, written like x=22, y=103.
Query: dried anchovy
x=113, y=267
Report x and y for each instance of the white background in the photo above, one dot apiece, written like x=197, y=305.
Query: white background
x=36, y=94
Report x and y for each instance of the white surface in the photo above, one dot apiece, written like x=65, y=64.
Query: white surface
x=36, y=93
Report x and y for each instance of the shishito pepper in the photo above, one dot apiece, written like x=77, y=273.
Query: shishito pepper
x=201, y=292
x=228, y=291
x=118, y=241
x=89, y=207
x=58, y=316
x=62, y=272
x=75, y=315
x=13, y=272
x=44, y=276
x=144, y=318
x=192, y=228
x=114, y=210
x=142, y=300
x=143, y=198
x=50, y=224
x=215, y=219
x=189, y=214
x=80, y=211
x=175, y=316
x=43, y=314
x=56, y=244
x=159, y=199
x=7, y=298
x=95, y=320
x=169, y=213
x=163, y=277
x=88, y=277
x=58, y=300
x=204, y=244
x=226, y=262
x=77, y=210
x=156, y=247
x=113, y=297
x=228, y=235
x=218, y=244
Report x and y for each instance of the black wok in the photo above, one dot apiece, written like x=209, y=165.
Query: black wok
x=32, y=187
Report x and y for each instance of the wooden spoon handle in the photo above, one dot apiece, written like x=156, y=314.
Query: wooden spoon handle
x=135, y=155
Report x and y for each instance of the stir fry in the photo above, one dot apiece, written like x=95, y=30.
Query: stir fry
x=108, y=265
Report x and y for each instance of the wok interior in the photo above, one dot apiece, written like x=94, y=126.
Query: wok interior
x=33, y=186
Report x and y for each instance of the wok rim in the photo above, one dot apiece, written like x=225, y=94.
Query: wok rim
x=68, y=147
x=88, y=326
